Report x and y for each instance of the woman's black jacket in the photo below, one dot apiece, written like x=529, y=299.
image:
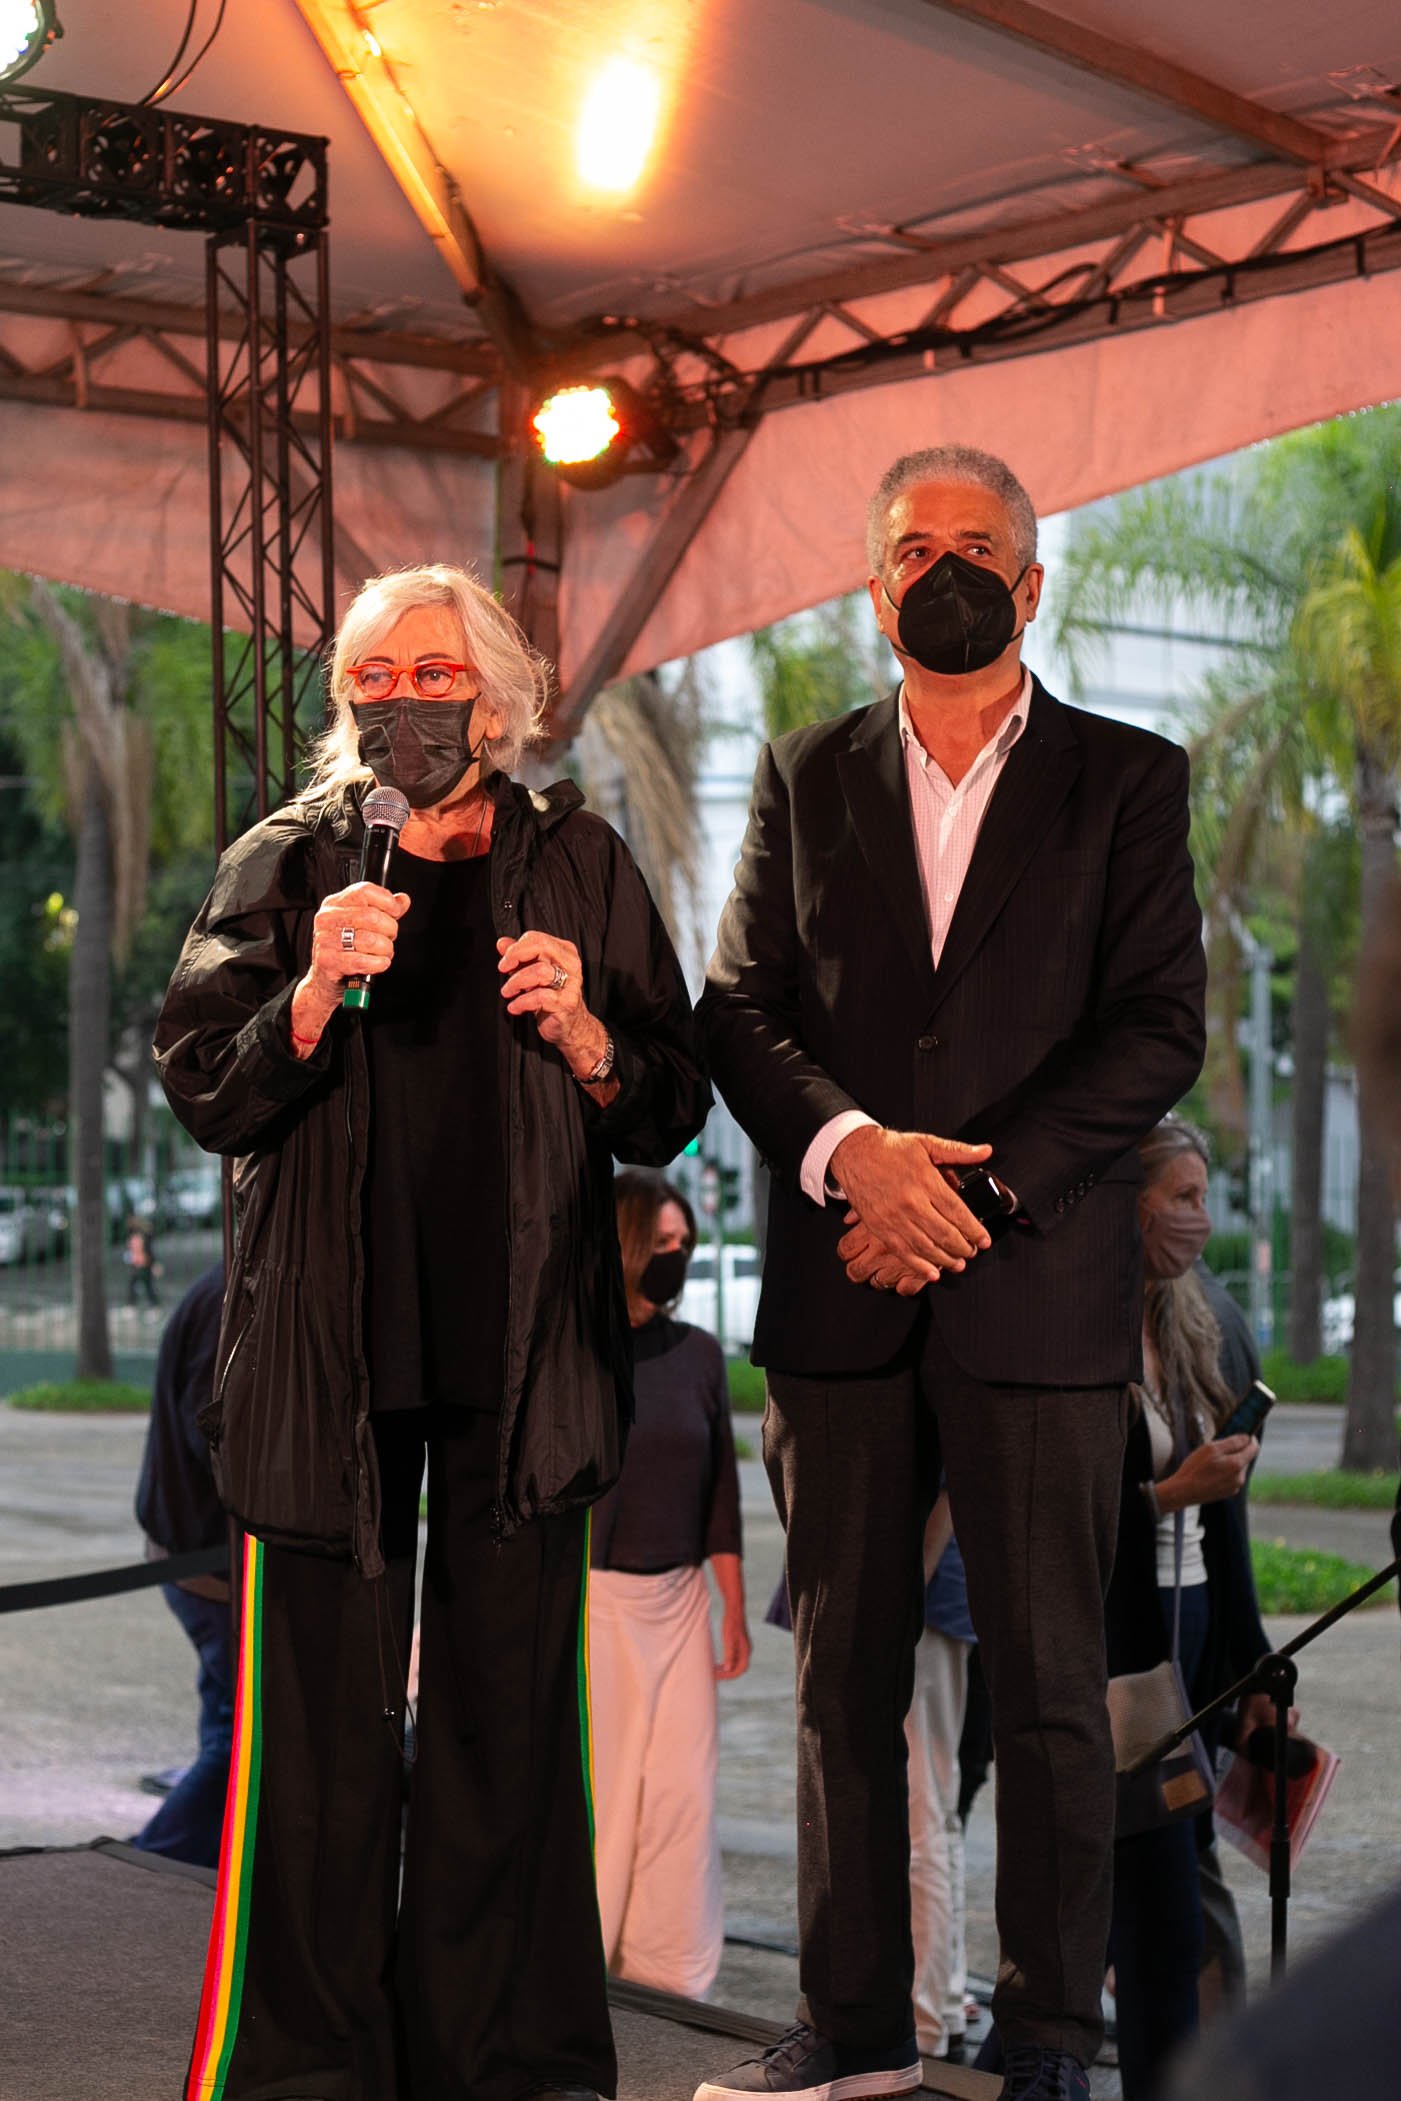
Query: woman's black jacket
x=1133, y=1620
x=289, y=1422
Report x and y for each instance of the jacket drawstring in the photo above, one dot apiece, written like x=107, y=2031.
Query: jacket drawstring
x=405, y=1740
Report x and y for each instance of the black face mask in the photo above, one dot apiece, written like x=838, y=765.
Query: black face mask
x=665, y=1275
x=957, y=616
x=420, y=747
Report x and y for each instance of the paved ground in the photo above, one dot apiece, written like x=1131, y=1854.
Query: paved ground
x=95, y=1694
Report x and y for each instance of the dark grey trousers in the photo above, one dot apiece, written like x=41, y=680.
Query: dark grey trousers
x=1033, y=1479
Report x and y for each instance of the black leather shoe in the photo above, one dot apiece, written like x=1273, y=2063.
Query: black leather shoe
x=806, y=2066
x=562, y=2093
x=1044, y=2075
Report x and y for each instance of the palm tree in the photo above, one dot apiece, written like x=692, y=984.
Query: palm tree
x=638, y=760
x=1297, y=549
x=817, y=665
x=1205, y=545
x=1348, y=632
x=103, y=709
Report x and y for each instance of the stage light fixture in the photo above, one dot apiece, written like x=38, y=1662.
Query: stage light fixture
x=591, y=433
x=27, y=28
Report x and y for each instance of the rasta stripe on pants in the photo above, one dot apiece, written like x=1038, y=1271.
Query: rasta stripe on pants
x=228, y=1935
x=585, y=1704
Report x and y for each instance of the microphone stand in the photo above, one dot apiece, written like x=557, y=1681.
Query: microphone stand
x=1275, y=1675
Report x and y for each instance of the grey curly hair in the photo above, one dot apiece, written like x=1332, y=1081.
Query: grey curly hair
x=955, y=463
x=514, y=678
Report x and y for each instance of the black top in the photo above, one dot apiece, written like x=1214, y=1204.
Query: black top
x=301, y=1130
x=677, y=1500
x=177, y=1504
x=435, y=1192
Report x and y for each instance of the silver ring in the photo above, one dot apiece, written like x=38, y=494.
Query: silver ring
x=347, y=937
x=560, y=979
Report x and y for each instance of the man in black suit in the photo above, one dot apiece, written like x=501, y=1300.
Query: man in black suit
x=963, y=945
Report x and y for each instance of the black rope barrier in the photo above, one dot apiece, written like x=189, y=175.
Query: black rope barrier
x=110, y=1582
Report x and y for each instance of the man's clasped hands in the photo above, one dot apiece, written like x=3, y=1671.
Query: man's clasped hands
x=907, y=1222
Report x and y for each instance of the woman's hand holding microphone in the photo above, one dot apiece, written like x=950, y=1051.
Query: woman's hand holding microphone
x=352, y=936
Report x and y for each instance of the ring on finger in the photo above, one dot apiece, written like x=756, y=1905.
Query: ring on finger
x=347, y=937
x=559, y=979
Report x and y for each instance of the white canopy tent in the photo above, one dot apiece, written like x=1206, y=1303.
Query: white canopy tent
x=1103, y=246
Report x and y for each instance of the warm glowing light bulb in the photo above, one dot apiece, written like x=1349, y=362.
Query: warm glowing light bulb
x=19, y=25
x=576, y=424
x=618, y=124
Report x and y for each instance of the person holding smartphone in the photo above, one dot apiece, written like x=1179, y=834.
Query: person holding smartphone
x=1181, y=1456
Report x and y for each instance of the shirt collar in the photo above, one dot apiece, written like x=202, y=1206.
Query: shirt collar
x=1006, y=736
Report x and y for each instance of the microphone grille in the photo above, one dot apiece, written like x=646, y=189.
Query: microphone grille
x=387, y=808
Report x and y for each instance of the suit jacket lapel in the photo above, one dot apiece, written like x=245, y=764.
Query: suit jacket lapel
x=1040, y=770
x=872, y=774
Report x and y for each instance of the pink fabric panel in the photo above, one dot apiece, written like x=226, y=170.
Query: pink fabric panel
x=788, y=530
x=120, y=504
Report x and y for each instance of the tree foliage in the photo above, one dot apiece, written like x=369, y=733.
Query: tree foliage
x=1292, y=554
x=167, y=698
x=638, y=761
x=818, y=665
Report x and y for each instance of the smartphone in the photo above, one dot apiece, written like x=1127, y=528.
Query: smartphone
x=1248, y=1418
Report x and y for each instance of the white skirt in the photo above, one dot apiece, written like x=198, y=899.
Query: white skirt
x=655, y=1751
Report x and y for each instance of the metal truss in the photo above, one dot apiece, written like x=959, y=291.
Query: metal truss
x=272, y=584
x=162, y=168
x=259, y=197
x=1039, y=284
x=376, y=399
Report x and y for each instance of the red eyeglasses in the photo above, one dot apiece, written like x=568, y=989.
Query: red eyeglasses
x=431, y=681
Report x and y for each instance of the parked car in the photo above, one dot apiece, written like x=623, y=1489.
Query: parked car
x=1336, y=1317
x=56, y=1211
x=24, y=1228
x=191, y=1197
x=740, y=1275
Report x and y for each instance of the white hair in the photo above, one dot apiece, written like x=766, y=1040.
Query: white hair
x=514, y=678
x=955, y=463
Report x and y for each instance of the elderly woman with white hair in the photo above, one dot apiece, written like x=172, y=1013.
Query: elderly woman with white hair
x=427, y=1272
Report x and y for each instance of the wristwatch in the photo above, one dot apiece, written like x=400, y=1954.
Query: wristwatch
x=603, y=1069
x=990, y=1201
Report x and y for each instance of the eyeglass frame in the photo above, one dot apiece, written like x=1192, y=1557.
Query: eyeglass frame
x=394, y=672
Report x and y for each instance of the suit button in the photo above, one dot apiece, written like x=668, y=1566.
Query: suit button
x=927, y=1043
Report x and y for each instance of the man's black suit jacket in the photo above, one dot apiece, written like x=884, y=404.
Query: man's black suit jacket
x=1064, y=1019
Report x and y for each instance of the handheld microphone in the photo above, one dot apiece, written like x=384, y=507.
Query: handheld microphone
x=385, y=812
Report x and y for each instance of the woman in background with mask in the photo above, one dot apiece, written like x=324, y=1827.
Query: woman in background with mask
x=652, y=1665
x=426, y=1280
x=1175, y=1461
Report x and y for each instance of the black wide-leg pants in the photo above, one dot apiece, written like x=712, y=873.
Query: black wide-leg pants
x=1033, y=1478
x=486, y=1979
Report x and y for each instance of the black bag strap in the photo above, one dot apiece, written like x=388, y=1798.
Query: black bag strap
x=1180, y=1448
